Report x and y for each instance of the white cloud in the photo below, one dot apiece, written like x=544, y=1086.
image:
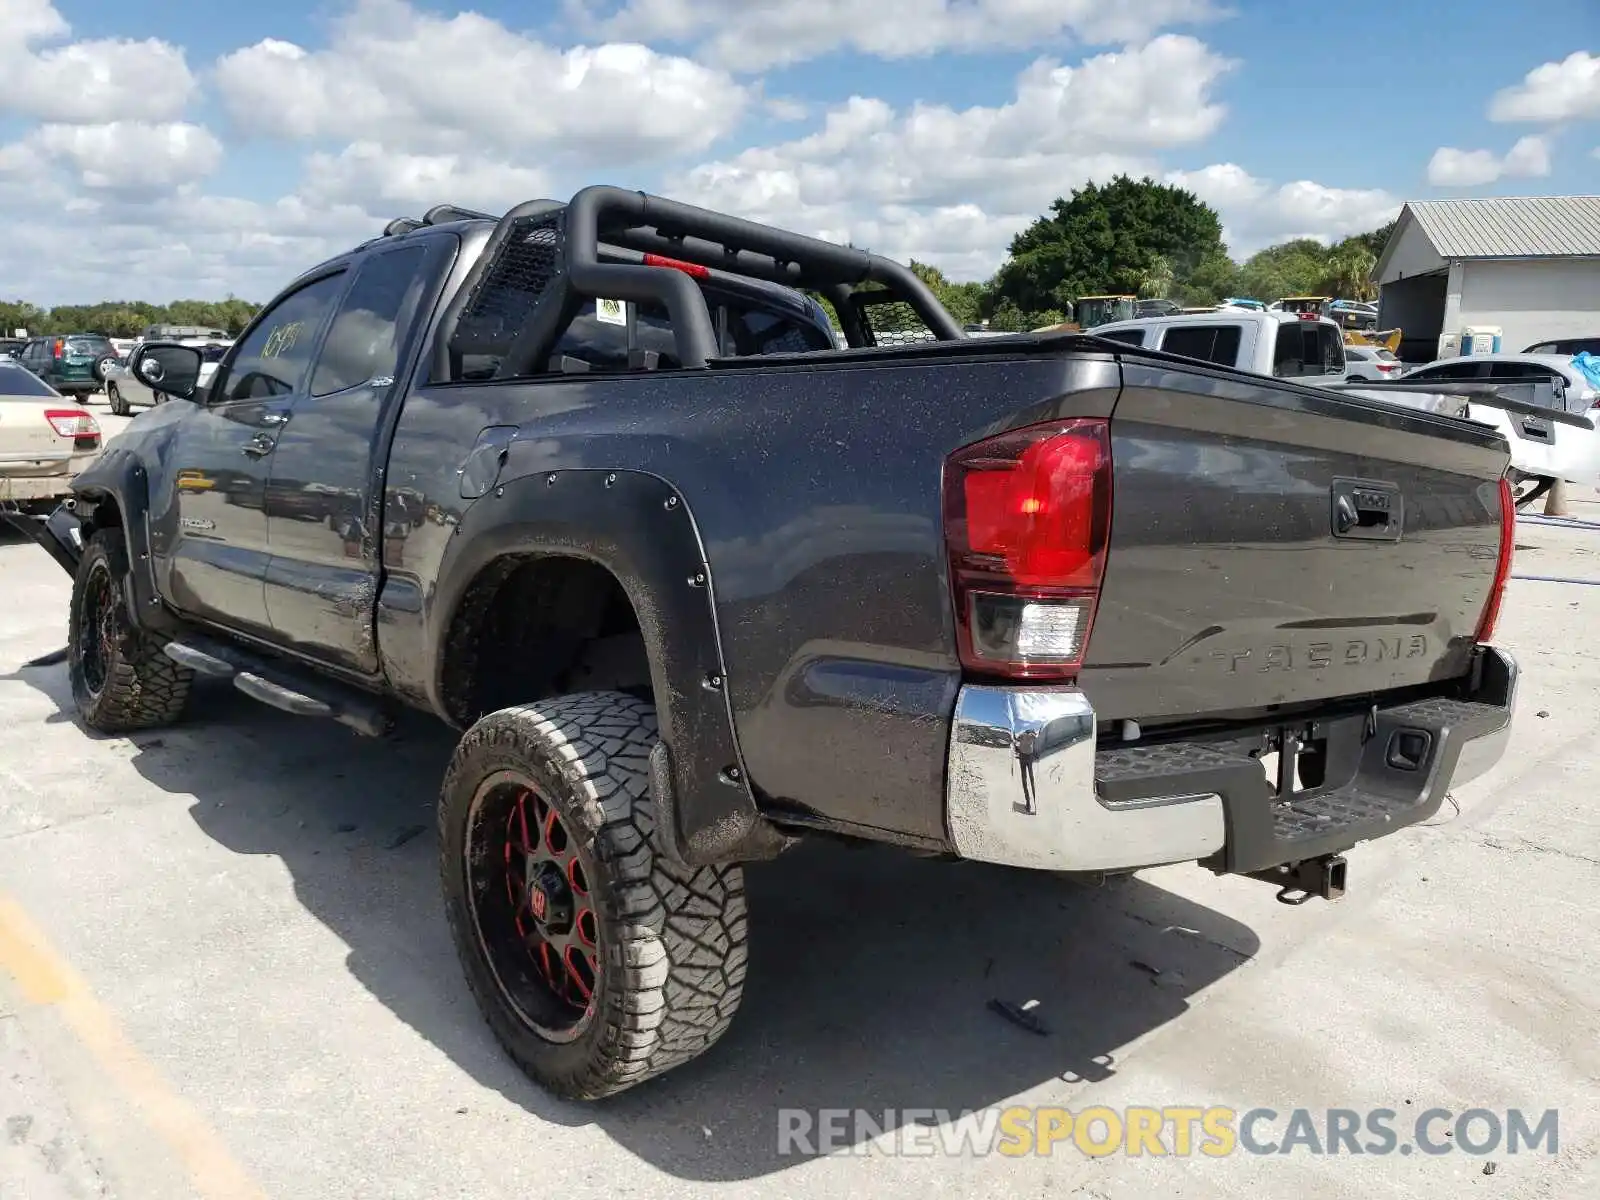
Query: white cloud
x=748, y=35
x=375, y=178
x=1065, y=125
x=1555, y=91
x=1528, y=159
x=85, y=82
x=180, y=244
x=425, y=84
x=952, y=186
x=131, y=155
x=1256, y=213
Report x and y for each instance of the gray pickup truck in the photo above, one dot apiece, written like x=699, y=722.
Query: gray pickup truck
x=592, y=482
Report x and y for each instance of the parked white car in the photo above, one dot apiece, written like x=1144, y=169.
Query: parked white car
x=124, y=392
x=1371, y=362
x=45, y=439
x=1284, y=345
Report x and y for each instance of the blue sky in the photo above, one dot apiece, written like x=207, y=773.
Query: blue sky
x=219, y=151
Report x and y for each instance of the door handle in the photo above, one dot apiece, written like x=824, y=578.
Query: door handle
x=275, y=418
x=257, y=446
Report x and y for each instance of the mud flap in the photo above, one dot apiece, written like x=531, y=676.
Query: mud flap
x=59, y=534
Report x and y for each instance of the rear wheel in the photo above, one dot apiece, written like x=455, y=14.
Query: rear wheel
x=121, y=681
x=596, y=964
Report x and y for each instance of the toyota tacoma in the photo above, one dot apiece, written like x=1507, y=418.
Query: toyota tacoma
x=593, y=482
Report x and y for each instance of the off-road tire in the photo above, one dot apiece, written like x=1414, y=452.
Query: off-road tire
x=141, y=687
x=672, y=939
x=119, y=406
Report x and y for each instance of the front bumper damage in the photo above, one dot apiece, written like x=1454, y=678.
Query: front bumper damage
x=59, y=534
x=1027, y=786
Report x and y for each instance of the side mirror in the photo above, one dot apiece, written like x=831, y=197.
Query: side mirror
x=168, y=368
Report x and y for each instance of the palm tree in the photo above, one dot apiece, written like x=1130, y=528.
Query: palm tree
x=1350, y=272
x=1156, y=279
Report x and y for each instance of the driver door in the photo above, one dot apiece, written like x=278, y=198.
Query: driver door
x=220, y=462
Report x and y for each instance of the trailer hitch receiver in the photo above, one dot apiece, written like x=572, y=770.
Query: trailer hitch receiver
x=1302, y=881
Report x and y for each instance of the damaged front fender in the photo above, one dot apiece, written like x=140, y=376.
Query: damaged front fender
x=61, y=533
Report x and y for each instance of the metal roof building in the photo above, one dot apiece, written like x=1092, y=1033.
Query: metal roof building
x=1528, y=266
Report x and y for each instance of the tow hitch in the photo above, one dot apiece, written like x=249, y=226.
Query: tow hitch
x=1302, y=881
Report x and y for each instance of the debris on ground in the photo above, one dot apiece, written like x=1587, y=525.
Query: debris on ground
x=405, y=835
x=1020, y=1015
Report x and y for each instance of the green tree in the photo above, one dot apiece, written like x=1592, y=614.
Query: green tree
x=1158, y=278
x=1105, y=239
x=1377, y=239
x=1349, y=270
x=1294, y=268
x=1212, y=281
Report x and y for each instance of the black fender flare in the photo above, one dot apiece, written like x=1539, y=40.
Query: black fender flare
x=638, y=527
x=121, y=476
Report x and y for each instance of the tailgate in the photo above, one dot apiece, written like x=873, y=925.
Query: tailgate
x=1230, y=586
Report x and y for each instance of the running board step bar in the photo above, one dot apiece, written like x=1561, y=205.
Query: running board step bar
x=278, y=686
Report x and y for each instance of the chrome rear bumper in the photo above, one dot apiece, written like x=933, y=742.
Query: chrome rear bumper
x=1022, y=786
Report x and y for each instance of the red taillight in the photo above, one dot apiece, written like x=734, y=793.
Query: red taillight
x=677, y=264
x=1388, y=366
x=72, y=422
x=1502, y=566
x=59, y=348
x=1027, y=515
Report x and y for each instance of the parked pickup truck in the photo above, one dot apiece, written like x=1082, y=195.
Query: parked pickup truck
x=1303, y=347
x=592, y=483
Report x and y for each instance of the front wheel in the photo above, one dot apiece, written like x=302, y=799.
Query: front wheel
x=595, y=963
x=119, y=406
x=121, y=680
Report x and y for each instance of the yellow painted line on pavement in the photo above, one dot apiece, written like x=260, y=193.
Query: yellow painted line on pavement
x=44, y=978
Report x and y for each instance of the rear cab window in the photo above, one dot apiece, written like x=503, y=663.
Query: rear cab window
x=1307, y=348
x=615, y=336
x=1133, y=337
x=1209, y=343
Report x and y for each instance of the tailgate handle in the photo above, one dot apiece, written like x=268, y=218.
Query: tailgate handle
x=1366, y=511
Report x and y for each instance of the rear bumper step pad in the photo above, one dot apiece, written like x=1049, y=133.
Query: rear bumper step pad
x=1379, y=772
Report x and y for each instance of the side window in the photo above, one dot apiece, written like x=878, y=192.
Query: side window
x=1134, y=337
x=1460, y=370
x=1331, y=344
x=1209, y=343
x=1519, y=370
x=365, y=339
x=272, y=360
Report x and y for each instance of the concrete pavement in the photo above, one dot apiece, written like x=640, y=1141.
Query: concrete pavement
x=224, y=972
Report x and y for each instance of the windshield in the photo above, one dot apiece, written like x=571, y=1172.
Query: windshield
x=18, y=383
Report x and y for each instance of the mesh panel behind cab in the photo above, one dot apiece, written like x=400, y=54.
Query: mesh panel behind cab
x=505, y=296
x=892, y=322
